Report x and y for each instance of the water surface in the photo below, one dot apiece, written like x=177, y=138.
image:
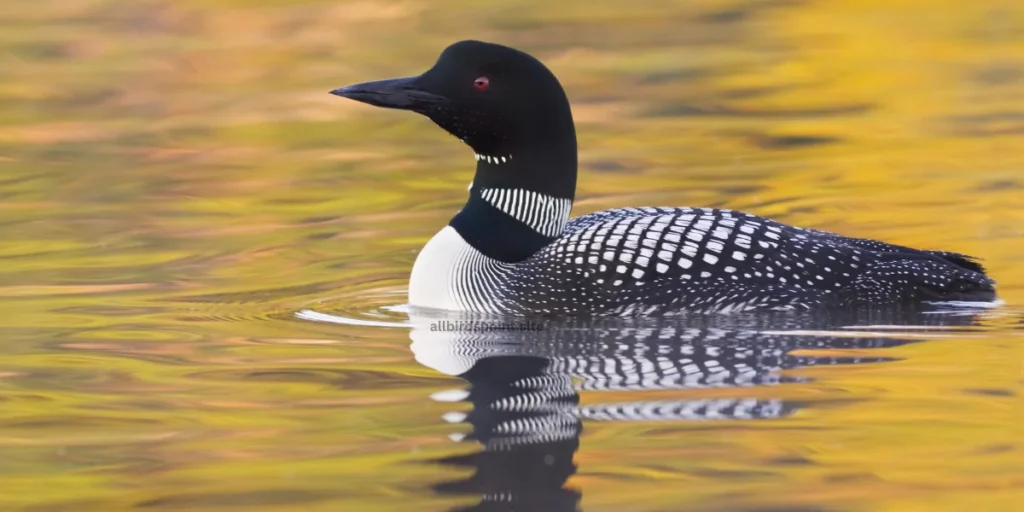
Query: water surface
x=176, y=185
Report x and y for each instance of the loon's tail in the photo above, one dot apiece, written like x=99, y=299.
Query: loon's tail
x=934, y=276
x=961, y=260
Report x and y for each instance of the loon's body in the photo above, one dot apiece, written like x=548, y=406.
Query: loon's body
x=512, y=249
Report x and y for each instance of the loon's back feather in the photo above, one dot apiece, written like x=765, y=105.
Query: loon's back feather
x=960, y=260
x=650, y=260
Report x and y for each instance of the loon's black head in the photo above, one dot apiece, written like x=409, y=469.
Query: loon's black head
x=503, y=103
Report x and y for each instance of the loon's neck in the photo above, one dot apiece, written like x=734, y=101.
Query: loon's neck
x=520, y=200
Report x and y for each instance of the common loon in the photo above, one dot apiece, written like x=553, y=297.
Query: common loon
x=512, y=249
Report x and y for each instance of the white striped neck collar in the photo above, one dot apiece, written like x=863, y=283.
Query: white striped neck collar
x=544, y=214
x=491, y=159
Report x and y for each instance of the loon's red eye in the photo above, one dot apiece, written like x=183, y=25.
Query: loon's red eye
x=481, y=83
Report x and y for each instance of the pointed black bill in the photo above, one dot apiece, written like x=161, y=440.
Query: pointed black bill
x=401, y=93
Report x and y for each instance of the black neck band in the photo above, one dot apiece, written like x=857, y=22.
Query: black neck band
x=495, y=233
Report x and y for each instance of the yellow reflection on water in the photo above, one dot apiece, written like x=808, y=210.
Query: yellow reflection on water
x=176, y=182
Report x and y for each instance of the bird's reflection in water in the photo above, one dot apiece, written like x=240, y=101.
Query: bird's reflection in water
x=523, y=385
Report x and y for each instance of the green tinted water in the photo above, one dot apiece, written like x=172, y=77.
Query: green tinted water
x=177, y=184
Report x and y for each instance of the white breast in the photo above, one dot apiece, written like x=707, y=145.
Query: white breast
x=448, y=275
x=431, y=284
